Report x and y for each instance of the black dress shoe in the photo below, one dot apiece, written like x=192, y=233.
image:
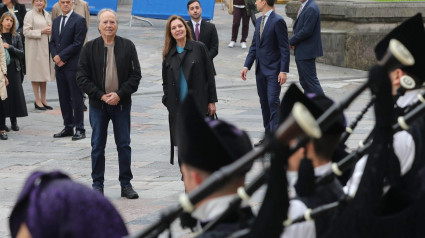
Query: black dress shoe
x=100, y=190
x=79, y=135
x=259, y=143
x=3, y=135
x=47, y=107
x=15, y=126
x=64, y=133
x=128, y=192
x=39, y=108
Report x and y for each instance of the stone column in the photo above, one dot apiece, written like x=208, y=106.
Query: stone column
x=352, y=28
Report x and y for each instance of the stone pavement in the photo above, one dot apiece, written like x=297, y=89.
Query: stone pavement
x=158, y=182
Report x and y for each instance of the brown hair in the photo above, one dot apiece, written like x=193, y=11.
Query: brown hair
x=8, y=14
x=170, y=42
x=14, y=2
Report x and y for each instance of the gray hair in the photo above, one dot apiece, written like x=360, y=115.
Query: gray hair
x=103, y=11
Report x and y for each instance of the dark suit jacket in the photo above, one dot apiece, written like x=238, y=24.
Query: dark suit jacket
x=208, y=35
x=68, y=45
x=271, y=53
x=306, y=38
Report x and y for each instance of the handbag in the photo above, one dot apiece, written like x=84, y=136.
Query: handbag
x=7, y=56
x=212, y=117
x=230, y=11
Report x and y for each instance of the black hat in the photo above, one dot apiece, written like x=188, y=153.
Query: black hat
x=411, y=34
x=208, y=144
x=317, y=105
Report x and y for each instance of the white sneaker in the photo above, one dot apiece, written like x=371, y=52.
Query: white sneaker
x=232, y=44
x=243, y=45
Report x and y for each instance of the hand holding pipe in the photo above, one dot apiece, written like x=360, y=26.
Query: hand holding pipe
x=311, y=214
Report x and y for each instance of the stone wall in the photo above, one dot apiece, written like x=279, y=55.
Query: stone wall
x=351, y=28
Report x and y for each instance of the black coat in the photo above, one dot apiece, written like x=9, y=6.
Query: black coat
x=91, y=68
x=198, y=71
x=16, y=50
x=15, y=105
x=208, y=35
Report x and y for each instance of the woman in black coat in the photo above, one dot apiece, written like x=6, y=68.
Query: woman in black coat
x=18, y=11
x=15, y=105
x=186, y=66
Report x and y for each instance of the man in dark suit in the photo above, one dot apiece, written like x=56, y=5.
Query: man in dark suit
x=270, y=50
x=202, y=30
x=307, y=45
x=68, y=33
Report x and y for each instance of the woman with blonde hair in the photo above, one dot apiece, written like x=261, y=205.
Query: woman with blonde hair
x=15, y=106
x=37, y=30
x=186, y=66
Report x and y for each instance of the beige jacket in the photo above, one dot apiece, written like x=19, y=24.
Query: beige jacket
x=40, y=66
x=3, y=69
x=80, y=7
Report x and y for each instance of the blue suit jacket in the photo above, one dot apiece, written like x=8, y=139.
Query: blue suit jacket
x=306, y=38
x=69, y=44
x=271, y=53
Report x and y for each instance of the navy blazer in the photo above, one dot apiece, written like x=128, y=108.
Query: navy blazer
x=68, y=45
x=306, y=38
x=271, y=53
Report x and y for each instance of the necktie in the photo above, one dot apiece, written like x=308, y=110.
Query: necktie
x=197, y=31
x=262, y=25
x=63, y=24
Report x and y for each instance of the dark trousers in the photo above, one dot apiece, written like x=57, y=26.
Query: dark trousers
x=99, y=120
x=308, y=76
x=239, y=13
x=268, y=90
x=2, y=117
x=70, y=100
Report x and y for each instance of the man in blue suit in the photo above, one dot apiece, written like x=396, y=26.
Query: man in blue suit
x=270, y=50
x=68, y=33
x=307, y=45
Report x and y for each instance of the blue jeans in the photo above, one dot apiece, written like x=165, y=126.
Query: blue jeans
x=99, y=120
x=268, y=90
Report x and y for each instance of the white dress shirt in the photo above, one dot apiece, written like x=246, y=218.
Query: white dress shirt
x=297, y=208
x=66, y=20
x=194, y=25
